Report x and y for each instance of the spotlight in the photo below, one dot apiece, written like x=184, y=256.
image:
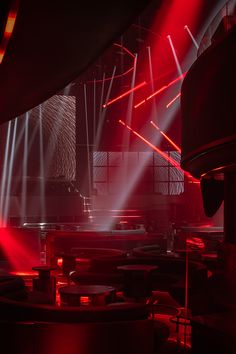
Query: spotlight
x=175, y=56
x=191, y=36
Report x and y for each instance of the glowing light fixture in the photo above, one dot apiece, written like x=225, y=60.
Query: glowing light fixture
x=175, y=55
x=191, y=36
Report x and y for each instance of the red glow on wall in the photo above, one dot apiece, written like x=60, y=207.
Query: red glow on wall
x=176, y=147
x=18, y=250
x=124, y=94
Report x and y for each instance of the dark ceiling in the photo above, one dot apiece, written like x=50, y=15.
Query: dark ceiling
x=55, y=41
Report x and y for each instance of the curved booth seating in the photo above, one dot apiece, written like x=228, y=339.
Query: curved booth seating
x=169, y=276
x=59, y=241
x=170, y=267
x=150, y=250
x=82, y=255
x=116, y=328
x=12, y=287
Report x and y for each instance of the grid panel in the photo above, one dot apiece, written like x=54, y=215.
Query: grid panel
x=114, y=188
x=115, y=158
x=101, y=188
x=176, y=188
x=117, y=169
x=146, y=158
x=175, y=155
x=100, y=158
x=159, y=160
x=147, y=176
x=100, y=174
x=161, y=188
x=161, y=174
x=131, y=158
x=116, y=174
x=176, y=174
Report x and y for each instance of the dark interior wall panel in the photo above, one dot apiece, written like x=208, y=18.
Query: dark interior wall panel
x=208, y=107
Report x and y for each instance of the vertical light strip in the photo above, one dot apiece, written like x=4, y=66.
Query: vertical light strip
x=103, y=110
x=94, y=110
x=9, y=175
x=99, y=127
x=42, y=167
x=87, y=140
x=4, y=176
x=175, y=56
x=191, y=36
x=25, y=169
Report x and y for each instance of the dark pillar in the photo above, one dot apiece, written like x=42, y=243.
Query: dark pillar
x=84, y=146
x=230, y=225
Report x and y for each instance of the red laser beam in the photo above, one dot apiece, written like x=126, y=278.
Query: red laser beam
x=163, y=88
x=124, y=94
x=160, y=152
x=166, y=137
x=173, y=100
